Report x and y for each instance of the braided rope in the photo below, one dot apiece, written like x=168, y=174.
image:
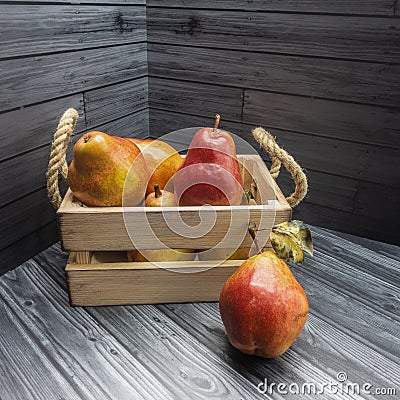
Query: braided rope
x=275, y=168
x=58, y=162
x=280, y=156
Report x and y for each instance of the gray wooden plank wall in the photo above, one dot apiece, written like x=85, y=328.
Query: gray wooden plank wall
x=322, y=76
x=55, y=55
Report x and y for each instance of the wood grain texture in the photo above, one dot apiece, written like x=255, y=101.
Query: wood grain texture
x=359, y=225
x=350, y=122
x=16, y=253
x=324, y=189
x=28, y=214
x=29, y=80
x=353, y=160
x=115, y=101
x=119, y=283
x=370, y=197
x=354, y=122
x=315, y=349
x=324, y=154
x=357, y=319
x=132, y=125
x=332, y=79
x=180, y=351
x=74, y=27
x=356, y=38
x=203, y=377
x=31, y=127
x=382, y=298
x=28, y=180
x=369, y=7
x=382, y=257
x=194, y=98
x=53, y=354
x=385, y=249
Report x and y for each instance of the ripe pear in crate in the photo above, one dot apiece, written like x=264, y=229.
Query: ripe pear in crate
x=160, y=198
x=162, y=160
x=210, y=173
x=100, y=168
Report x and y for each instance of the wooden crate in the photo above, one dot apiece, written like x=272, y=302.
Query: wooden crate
x=98, y=272
x=107, y=278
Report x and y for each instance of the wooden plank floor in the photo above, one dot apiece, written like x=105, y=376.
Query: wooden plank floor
x=49, y=350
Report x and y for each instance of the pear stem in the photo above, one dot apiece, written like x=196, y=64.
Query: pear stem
x=157, y=191
x=253, y=234
x=216, y=122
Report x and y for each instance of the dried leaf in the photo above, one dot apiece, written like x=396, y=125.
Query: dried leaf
x=286, y=248
x=289, y=241
x=305, y=240
x=291, y=226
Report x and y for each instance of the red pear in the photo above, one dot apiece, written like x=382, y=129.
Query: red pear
x=263, y=307
x=210, y=173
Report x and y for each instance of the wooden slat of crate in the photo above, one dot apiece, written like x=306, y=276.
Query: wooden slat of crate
x=102, y=282
x=107, y=231
x=97, y=229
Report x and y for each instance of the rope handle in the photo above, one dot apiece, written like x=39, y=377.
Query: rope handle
x=62, y=136
x=58, y=154
x=279, y=157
